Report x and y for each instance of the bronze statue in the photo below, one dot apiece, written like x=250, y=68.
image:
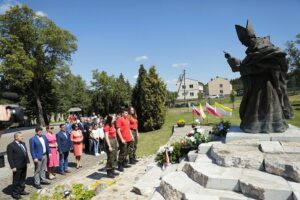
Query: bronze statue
x=265, y=105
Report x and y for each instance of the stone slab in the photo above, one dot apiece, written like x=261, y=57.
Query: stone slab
x=261, y=185
x=148, y=183
x=157, y=196
x=203, y=158
x=296, y=190
x=204, y=148
x=178, y=186
x=192, y=156
x=271, y=147
x=292, y=134
x=285, y=165
x=291, y=147
x=228, y=155
x=212, y=176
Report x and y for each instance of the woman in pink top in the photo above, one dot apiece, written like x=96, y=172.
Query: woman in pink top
x=77, y=138
x=53, y=160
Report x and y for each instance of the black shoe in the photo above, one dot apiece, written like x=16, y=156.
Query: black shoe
x=110, y=174
x=38, y=186
x=125, y=165
x=120, y=168
x=132, y=162
x=135, y=160
x=45, y=183
x=114, y=172
x=24, y=193
x=16, y=196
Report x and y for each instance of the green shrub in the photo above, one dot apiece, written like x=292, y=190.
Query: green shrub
x=221, y=128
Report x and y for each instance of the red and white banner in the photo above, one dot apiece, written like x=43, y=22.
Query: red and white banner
x=212, y=110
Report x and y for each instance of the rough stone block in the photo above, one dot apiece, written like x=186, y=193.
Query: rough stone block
x=229, y=155
x=296, y=190
x=285, y=165
x=213, y=176
x=235, y=133
x=203, y=158
x=157, y=196
x=271, y=147
x=261, y=185
x=192, y=155
x=204, y=148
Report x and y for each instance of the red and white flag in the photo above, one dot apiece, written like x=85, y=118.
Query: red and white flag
x=196, y=111
x=212, y=110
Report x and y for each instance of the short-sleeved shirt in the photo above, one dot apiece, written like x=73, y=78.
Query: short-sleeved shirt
x=124, y=125
x=110, y=130
x=133, y=123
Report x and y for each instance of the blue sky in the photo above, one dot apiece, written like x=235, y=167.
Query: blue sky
x=119, y=35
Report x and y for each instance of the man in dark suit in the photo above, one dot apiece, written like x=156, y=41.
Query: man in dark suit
x=18, y=159
x=63, y=145
x=39, y=149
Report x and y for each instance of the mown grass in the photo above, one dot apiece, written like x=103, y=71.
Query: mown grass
x=150, y=142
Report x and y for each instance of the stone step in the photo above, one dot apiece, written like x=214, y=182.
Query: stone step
x=203, y=158
x=178, y=186
x=296, y=190
x=230, y=155
x=261, y=185
x=213, y=176
x=148, y=183
x=157, y=196
x=285, y=165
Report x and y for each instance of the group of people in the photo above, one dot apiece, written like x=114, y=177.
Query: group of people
x=116, y=134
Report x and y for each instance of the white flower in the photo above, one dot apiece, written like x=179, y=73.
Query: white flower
x=192, y=139
x=171, y=149
x=200, y=130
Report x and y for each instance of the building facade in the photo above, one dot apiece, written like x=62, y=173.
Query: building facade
x=190, y=87
x=219, y=87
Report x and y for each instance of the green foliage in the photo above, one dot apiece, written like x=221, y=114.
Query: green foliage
x=171, y=98
x=109, y=93
x=149, y=97
x=31, y=49
x=221, y=128
x=294, y=60
x=237, y=84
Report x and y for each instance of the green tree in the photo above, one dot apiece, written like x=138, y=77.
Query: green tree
x=31, y=49
x=294, y=59
x=237, y=84
x=150, y=97
x=171, y=98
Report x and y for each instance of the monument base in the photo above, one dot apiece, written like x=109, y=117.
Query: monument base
x=292, y=134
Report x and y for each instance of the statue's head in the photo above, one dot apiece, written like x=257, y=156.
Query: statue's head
x=245, y=34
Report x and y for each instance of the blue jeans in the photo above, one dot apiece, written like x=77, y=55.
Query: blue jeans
x=63, y=161
x=96, y=146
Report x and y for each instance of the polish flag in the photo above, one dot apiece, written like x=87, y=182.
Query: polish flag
x=196, y=111
x=212, y=110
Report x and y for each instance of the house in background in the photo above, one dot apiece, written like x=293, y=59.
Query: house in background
x=191, y=88
x=219, y=87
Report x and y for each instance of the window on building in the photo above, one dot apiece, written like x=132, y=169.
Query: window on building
x=191, y=94
x=191, y=86
x=221, y=91
x=183, y=87
x=221, y=85
x=183, y=94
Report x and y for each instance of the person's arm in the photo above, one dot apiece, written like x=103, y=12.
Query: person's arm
x=32, y=150
x=58, y=143
x=10, y=159
x=120, y=135
x=47, y=145
x=107, y=141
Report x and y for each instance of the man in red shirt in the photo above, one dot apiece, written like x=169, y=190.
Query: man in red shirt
x=125, y=138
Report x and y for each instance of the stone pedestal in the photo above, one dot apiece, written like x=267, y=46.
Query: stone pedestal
x=292, y=134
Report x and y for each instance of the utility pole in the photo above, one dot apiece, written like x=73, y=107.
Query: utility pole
x=184, y=94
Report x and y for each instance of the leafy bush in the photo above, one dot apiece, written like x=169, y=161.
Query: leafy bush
x=181, y=122
x=179, y=149
x=221, y=128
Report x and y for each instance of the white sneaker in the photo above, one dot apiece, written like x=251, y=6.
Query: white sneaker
x=97, y=154
x=102, y=152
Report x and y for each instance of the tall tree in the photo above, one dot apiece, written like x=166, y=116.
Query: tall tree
x=31, y=49
x=294, y=59
x=150, y=98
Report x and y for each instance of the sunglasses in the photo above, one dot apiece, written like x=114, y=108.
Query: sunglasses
x=52, y=128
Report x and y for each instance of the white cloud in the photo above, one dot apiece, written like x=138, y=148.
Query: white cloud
x=136, y=76
x=180, y=64
x=140, y=58
x=6, y=5
x=40, y=13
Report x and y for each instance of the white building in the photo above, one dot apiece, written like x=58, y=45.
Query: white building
x=191, y=88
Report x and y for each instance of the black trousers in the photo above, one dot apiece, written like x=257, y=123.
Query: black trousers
x=19, y=178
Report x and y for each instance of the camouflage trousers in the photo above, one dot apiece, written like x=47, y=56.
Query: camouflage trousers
x=125, y=150
x=133, y=145
x=111, y=155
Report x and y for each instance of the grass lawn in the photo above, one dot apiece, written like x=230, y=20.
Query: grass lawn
x=150, y=142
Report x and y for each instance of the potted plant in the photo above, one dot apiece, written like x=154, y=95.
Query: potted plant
x=181, y=123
